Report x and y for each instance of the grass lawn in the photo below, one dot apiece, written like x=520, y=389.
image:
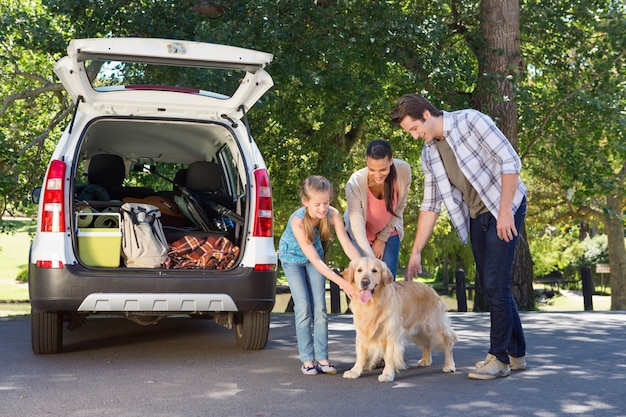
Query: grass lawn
x=14, y=247
x=12, y=293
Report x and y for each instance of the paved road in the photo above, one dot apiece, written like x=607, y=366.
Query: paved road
x=183, y=367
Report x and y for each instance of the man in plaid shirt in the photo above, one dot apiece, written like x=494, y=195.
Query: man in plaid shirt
x=470, y=167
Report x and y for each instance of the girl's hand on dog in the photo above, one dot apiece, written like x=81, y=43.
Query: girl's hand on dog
x=348, y=289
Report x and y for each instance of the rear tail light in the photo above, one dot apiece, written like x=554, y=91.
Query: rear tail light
x=265, y=267
x=53, y=212
x=49, y=264
x=264, y=215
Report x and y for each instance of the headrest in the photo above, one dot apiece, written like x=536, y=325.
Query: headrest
x=106, y=170
x=180, y=178
x=204, y=176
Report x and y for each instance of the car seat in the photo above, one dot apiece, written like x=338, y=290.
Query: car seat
x=180, y=180
x=206, y=178
x=204, y=201
x=108, y=171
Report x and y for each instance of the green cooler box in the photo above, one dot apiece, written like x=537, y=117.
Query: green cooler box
x=100, y=240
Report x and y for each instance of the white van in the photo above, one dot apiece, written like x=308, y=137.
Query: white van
x=161, y=122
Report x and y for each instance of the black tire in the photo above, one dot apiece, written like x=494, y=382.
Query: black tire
x=252, y=330
x=46, y=332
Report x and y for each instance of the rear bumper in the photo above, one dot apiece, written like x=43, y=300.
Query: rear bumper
x=76, y=288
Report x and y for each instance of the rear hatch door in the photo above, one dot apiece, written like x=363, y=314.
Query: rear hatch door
x=129, y=76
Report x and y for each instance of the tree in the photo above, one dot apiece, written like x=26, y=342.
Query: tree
x=338, y=69
x=501, y=66
x=33, y=104
x=575, y=139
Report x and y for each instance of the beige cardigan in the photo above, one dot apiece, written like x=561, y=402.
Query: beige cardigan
x=356, y=215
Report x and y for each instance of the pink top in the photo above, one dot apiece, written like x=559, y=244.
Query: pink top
x=377, y=215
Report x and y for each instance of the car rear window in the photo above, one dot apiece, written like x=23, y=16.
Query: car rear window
x=124, y=75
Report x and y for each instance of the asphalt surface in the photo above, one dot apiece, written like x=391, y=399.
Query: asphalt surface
x=183, y=367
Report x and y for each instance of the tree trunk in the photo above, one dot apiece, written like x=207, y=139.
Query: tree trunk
x=499, y=65
x=617, y=251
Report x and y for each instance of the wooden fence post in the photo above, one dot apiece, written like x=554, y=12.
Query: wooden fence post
x=335, y=301
x=588, y=287
x=461, y=298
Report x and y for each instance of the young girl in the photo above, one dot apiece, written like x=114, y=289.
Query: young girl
x=301, y=254
x=376, y=197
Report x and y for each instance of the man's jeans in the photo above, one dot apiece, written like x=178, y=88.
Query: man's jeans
x=308, y=290
x=494, y=262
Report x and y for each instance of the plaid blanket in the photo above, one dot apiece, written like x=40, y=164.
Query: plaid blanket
x=191, y=252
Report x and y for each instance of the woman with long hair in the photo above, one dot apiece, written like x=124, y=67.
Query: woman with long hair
x=376, y=197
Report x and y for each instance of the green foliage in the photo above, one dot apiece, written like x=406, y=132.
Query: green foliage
x=339, y=67
x=6, y=229
x=562, y=250
x=444, y=248
x=32, y=104
x=22, y=275
x=554, y=251
x=143, y=18
x=595, y=251
x=338, y=71
x=573, y=123
x=573, y=104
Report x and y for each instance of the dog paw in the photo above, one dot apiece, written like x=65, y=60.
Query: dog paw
x=423, y=363
x=449, y=369
x=385, y=377
x=351, y=374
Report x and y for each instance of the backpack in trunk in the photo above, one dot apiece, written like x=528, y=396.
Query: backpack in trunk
x=143, y=241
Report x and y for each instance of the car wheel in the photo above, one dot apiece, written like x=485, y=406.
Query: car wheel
x=46, y=332
x=252, y=330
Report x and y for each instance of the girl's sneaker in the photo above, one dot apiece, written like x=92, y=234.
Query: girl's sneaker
x=327, y=369
x=309, y=370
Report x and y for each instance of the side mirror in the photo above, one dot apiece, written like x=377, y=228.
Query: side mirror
x=35, y=195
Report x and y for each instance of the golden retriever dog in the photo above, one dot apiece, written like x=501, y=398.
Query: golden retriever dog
x=390, y=313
